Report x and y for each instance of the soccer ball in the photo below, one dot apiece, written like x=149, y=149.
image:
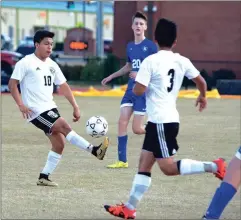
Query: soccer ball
x=96, y=126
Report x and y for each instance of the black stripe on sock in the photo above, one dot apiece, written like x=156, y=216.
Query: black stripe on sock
x=145, y=173
x=179, y=165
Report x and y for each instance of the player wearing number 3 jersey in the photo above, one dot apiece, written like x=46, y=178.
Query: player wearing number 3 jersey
x=36, y=74
x=161, y=76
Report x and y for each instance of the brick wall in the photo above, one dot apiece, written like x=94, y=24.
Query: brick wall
x=207, y=31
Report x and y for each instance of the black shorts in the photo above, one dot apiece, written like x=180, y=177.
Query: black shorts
x=46, y=120
x=160, y=139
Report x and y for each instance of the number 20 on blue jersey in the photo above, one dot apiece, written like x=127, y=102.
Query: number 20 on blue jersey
x=136, y=63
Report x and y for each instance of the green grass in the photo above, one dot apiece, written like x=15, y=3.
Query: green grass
x=84, y=182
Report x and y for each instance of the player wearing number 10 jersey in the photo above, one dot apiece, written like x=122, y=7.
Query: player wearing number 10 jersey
x=36, y=74
x=161, y=75
x=136, y=52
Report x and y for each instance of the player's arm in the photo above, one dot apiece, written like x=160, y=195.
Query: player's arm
x=64, y=88
x=66, y=91
x=143, y=78
x=201, y=85
x=124, y=70
x=13, y=87
x=193, y=74
x=17, y=76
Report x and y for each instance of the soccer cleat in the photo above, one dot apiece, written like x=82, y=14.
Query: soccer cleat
x=221, y=164
x=118, y=164
x=121, y=211
x=99, y=151
x=45, y=181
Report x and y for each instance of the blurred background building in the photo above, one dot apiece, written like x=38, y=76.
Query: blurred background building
x=209, y=33
x=20, y=19
x=91, y=36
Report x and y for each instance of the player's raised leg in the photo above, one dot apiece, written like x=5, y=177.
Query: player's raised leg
x=61, y=126
x=58, y=141
x=155, y=148
x=227, y=189
x=125, y=115
x=170, y=167
x=166, y=146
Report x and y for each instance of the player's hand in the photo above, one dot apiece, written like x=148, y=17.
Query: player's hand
x=201, y=103
x=25, y=111
x=106, y=80
x=76, y=114
x=132, y=75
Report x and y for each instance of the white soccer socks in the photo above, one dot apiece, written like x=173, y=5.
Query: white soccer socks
x=188, y=166
x=141, y=183
x=80, y=142
x=52, y=162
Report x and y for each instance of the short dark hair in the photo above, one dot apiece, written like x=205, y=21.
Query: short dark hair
x=41, y=34
x=165, y=33
x=139, y=14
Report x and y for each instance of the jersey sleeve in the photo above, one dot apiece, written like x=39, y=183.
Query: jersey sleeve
x=190, y=71
x=128, y=60
x=154, y=48
x=19, y=71
x=144, y=74
x=59, y=76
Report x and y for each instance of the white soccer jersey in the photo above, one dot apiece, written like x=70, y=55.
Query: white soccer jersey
x=163, y=74
x=36, y=79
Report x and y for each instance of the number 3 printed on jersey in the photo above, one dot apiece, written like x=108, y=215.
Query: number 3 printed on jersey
x=136, y=63
x=171, y=73
x=47, y=80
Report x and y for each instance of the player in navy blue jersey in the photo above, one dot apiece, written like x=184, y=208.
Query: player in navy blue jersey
x=136, y=52
x=228, y=188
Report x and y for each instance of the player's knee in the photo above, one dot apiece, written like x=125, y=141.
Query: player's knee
x=65, y=129
x=61, y=126
x=168, y=167
x=122, y=124
x=137, y=125
x=168, y=171
x=137, y=129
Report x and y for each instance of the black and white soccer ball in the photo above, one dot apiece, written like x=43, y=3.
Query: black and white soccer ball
x=97, y=126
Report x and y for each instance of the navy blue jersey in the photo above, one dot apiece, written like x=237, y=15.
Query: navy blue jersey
x=136, y=53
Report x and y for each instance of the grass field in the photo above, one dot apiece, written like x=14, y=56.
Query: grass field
x=84, y=182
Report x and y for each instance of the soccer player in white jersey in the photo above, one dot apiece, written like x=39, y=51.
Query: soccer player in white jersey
x=36, y=74
x=161, y=76
x=227, y=189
